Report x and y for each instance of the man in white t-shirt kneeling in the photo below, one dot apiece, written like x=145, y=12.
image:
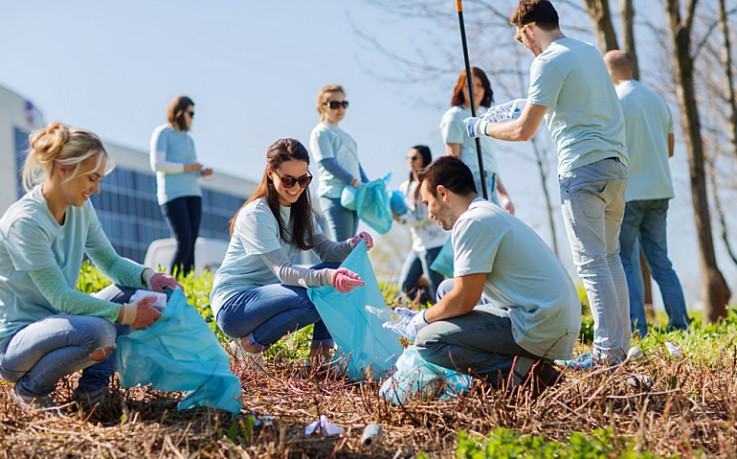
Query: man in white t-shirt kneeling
x=511, y=307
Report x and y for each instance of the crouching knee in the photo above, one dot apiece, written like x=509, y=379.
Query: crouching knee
x=104, y=341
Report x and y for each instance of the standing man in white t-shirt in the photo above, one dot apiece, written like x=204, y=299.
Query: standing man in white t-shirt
x=570, y=88
x=511, y=307
x=649, y=127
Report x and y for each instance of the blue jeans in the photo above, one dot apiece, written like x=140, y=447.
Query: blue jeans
x=266, y=314
x=479, y=343
x=645, y=221
x=183, y=216
x=490, y=186
x=340, y=223
x=42, y=353
x=592, y=199
x=414, y=266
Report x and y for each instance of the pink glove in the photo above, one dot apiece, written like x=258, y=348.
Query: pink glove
x=161, y=281
x=345, y=280
x=363, y=235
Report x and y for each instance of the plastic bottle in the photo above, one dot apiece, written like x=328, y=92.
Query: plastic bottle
x=384, y=314
x=505, y=112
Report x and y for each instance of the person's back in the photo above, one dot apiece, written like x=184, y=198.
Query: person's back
x=648, y=122
x=584, y=116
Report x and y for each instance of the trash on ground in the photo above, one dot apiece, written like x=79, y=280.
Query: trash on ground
x=324, y=427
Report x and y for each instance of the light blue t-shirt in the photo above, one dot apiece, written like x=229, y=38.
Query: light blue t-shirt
x=648, y=121
x=178, y=147
x=523, y=276
x=32, y=240
x=584, y=116
x=329, y=141
x=256, y=233
x=454, y=131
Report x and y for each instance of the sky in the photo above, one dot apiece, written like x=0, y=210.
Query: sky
x=254, y=70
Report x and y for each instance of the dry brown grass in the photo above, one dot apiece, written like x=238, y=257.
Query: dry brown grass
x=690, y=410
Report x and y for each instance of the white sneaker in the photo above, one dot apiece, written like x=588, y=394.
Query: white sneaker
x=243, y=356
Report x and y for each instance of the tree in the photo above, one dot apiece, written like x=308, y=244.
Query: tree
x=714, y=289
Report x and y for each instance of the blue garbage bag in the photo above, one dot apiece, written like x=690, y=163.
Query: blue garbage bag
x=372, y=205
x=364, y=346
x=179, y=352
x=443, y=262
x=397, y=203
x=348, y=197
x=416, y=377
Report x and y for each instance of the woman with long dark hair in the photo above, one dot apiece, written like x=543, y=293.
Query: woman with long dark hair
x=174, y=160
x=459, y=145
x=427, y=236
x=260, y=293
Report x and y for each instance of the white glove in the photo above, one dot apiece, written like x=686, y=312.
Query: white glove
x=409, y=326
x=476, y=127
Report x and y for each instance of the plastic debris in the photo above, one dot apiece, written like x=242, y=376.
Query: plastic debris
x=160, y=302
x=640, y=381
x=372, y=434
x=634, y=354
x=324, y=427
x=674, y=350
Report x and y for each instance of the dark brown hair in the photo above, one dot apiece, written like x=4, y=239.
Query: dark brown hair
x=302, y=232
x=541, y=12
x=450, y=172
x=459, y=99
x=175, y=112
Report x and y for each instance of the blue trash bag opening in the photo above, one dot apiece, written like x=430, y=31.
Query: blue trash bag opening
x=443, y=262
x=397, y=203
x=364, y=346
x=372, y=205
x=179, y=352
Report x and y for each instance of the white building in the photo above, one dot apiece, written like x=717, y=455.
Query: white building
x=127, y=206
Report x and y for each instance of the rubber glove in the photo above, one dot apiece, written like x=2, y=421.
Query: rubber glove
x=409, y=326
x=476, y=127
x=363, y=235
x=345, y=280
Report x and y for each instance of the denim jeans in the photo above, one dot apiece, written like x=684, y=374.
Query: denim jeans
x=592, y=198
x=479, y=343
x=490, y=187
x=42, y=353
x=340, y=223
x=266, y=314
x=183, y=216
x=414, y=266
x=645, y=222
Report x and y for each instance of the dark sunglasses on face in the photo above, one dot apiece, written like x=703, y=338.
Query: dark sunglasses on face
x=287, y=181
x=191, y=114
x=334, y=104
x=413, y=158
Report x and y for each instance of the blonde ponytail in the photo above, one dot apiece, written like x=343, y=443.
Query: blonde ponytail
x=58, y=145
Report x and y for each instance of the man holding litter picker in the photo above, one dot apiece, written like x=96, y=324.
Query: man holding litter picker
x=571, y=89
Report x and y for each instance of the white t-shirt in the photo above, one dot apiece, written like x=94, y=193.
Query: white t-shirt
x=330, y=141
x=523, y=276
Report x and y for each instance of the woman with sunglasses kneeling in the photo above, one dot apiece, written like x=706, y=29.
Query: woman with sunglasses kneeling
x=338, y=166
x=49, y=329
x=259, y=293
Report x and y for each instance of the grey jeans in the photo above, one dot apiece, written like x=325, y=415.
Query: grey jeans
x=479, y=343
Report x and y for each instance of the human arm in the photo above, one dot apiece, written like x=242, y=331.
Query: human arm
x=506, y=201
x=331, y=165
x=52, y=285
x=453, y=149
x=158, y=155
x=341, y=279
x=329, y=250
x=464, y=296
x=671, y=144
x=520, y=129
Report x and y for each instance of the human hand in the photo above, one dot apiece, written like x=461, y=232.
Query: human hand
x=409, y=326
x=344, y=280
x=507, y=204
x=476, y=127
x=356, y=183
x=140, y=314
x=206, y=172
x=193, y=167
x=363, y=235
x=160, y=282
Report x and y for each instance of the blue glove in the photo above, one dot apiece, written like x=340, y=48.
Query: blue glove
x=476, y=127
x=409, y=326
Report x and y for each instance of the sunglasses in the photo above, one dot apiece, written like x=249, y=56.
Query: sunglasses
x=413, y=158
x=518, y=35
x=287, y=181
x=334, y=104
x=191, y=114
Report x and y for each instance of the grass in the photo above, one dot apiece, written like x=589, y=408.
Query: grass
x=689, y=411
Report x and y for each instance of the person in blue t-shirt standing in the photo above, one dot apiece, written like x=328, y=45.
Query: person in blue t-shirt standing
x=650, y=142
x=571, y=89
x=174, y=160
x=338, y=165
